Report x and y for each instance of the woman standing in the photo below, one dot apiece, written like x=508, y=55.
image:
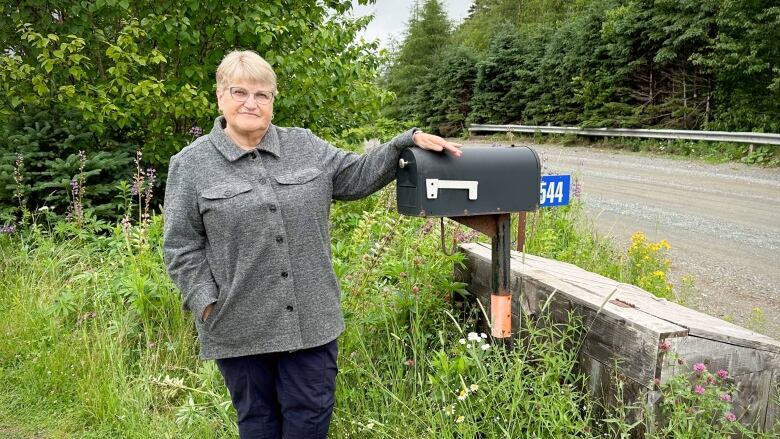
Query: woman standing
x=247, y=244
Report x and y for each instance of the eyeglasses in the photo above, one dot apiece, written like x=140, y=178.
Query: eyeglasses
x=241, y=94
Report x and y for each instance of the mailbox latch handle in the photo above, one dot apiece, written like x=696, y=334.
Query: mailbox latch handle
x=434, y=184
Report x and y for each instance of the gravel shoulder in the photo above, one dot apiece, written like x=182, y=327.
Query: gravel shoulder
x=722, y=221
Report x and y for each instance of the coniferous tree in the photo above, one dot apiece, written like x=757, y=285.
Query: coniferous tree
x=427, y=35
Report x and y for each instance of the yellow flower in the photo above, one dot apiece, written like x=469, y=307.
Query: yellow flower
x=659, y=273
x=462, y=395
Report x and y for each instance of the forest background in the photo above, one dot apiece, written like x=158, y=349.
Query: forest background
x=96, y=95
x=113, y=77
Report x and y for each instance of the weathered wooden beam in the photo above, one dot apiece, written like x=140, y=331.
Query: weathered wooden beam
x=624, y=326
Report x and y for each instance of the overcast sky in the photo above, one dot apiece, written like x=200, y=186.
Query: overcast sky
x=391, y=17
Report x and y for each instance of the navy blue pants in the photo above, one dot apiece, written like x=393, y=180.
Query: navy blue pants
x=286, y=395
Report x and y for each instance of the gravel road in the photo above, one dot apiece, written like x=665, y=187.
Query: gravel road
x=722, y=221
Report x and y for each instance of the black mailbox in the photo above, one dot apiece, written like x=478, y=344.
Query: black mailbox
x=482, y=181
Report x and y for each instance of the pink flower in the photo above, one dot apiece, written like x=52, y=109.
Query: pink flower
x=725, y=397
x=699, y=389
x=723, y=374
x=699, y=368
x=731, y=417
x=664, y=346
x=657, y=382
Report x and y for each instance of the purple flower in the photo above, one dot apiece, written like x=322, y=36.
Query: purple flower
x=74, y=186
x=699, y=368
x=134, y=189
x=699, y=390
x=126, y=224
x=7, y=229
x=664, y=346
x=196, y=131
x=725, y=397
x=731, y=417
x=723, y=374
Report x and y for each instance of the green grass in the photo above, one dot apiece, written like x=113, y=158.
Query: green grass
x=95, y=344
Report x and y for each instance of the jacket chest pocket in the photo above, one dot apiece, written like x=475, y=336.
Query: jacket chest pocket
x=225, y=201
x=302, y=188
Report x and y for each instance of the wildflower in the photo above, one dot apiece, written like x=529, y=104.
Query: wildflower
x=657, y=382
x=462, y=341
x=473, y=336
x=710, y=379
x=723, y=374
x=660, y=274
x=410, y=362
x=126, y=224
x=577, y=188
x=415, y=290
x=449, y=410
x=680, y=361
x=725, y=397
x=44, y=209
x=482, y=335
x=473, y=387
x=462, y=395
x=699, y=390
x=7, y=229
x=699, y=368
x=460, y=419
x=731, y=417
x=485, y=347
x=369, y=426
x=134, y=189
x=195, y=131
x=665, y=346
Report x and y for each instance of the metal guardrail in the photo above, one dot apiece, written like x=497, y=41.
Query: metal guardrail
x=713, y=136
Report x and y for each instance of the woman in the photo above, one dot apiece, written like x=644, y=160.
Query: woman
x=247, y=244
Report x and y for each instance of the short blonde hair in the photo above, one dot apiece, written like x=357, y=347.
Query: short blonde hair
x=245, y=65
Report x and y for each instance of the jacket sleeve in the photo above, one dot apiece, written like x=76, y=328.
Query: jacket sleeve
x=357, y=176
x=184, y=243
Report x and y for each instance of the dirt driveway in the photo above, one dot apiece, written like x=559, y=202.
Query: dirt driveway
x=722, y=221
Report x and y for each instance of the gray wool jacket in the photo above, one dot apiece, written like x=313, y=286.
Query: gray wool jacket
x=249, y=231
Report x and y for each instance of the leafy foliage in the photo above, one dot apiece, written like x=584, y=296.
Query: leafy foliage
x=140, y=75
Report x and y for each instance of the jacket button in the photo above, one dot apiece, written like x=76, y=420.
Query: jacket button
x=284, y=274
x=289, y=308
x=228, y=193
x=279, y=239
x=272, y=208
x=263, y=180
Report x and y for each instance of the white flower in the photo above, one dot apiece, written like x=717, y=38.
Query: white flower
x=449, y=410
x=485, y=347
x=369, y=426
x=473, y=336
x=483, y=335
x=474, y=387
x=462, y=341
x=460, y=419
x=462, y=395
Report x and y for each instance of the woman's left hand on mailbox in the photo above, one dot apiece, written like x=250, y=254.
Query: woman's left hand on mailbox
x=435, y=143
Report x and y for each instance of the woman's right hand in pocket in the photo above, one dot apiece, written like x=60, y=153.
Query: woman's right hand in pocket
x=207, y=312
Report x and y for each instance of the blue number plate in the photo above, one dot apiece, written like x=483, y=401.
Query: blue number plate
x=554, y=190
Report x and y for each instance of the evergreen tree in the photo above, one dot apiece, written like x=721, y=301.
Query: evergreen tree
x=427, y=35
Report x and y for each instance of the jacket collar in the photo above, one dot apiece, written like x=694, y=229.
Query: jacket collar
x=232, y=152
